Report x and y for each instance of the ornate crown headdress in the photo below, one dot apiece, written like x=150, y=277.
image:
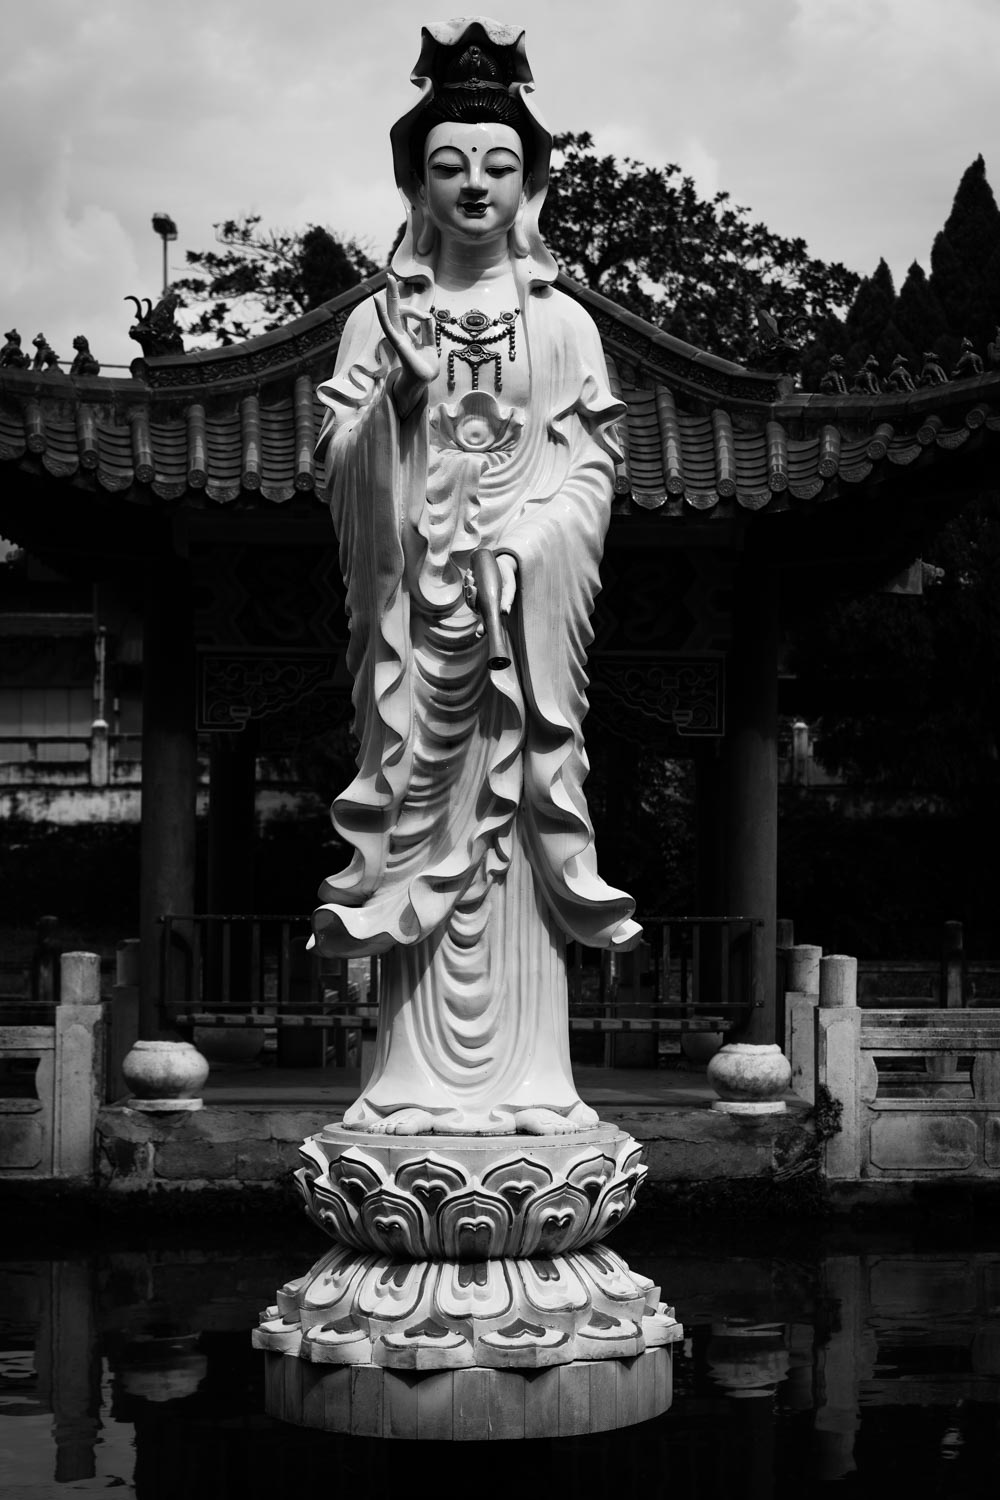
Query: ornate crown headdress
x=475, y=69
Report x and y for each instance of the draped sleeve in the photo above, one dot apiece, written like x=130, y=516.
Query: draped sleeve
x=370, y=459
x=558, y=540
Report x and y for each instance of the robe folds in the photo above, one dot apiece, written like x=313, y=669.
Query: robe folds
x=474, y=854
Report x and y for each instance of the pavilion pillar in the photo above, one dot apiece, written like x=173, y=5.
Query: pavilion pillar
x=750, y=757
x=710, y=872
x=169, y=772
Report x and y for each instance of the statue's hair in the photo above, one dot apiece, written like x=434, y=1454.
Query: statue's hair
x=472, y=107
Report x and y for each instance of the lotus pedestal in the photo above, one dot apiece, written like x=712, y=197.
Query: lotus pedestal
x=467, y=1294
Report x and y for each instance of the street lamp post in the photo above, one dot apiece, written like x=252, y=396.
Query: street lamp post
x=167, y=230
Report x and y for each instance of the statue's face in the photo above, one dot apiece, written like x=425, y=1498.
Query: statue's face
x=473, y=179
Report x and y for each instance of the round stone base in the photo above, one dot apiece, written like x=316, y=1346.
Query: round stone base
x=469, y=1405
x=164, y=1106
x=749, y=1106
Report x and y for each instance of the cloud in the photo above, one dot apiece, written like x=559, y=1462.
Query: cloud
x=848, y=122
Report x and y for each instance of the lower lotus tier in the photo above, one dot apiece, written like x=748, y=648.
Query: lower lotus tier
x=367, y=1309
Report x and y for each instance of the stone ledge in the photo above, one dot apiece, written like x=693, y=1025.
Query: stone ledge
x=258, y=1145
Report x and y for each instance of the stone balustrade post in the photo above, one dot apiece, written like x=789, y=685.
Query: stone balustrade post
x=79, y=1065
x=803, y=969
x=801, y=753
x=802, y=961
x=953, y=966
x=838, y=981
x=100, y=768
x=838, y=1061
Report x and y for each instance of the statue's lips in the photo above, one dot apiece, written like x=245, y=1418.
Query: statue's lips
x=473, y=210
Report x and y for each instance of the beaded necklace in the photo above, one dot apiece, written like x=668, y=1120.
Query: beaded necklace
x=473, y=332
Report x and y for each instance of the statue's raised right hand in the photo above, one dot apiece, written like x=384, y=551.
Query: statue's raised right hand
x=419, y=361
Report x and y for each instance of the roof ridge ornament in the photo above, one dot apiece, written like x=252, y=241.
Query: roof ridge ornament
x=833, y=383
x=45, y=355
x=12, y=356
x=932, y=372
x=775, y=348
x=969, y=366
x=84, y=362
x=155, y=330
x=899, y=377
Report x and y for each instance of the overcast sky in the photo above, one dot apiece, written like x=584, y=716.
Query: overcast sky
x=848, y=122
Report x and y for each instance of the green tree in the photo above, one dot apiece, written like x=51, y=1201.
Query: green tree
x=694, y=266
x=960, y=299
x=965, y=264
x=919, y=317
x=870, y=326
x=262, y=278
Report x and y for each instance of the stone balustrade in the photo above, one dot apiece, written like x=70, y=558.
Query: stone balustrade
x=52, y=1080
x=906, y=1094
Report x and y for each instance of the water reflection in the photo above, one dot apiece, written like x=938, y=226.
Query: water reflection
x=748, y=1359
x=869, y=1370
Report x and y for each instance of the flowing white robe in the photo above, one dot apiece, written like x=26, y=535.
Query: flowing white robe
x=474, y=851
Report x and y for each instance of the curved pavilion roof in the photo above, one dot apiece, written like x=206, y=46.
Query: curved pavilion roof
x=705, y=438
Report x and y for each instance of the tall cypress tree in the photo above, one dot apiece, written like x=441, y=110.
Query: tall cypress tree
x=918, y=317
x=965, y=264
x=870, y=327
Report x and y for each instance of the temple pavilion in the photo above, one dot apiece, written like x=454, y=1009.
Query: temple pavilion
x=195, y=479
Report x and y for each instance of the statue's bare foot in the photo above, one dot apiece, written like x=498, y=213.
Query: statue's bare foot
x=544, y=1122
x=583, y=1117
x=405, y=1122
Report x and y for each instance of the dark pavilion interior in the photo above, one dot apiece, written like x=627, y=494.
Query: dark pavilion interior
x=193, y=484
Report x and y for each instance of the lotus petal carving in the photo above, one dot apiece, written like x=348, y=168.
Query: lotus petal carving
x=427, y=1315
x=474, y=1203
x=474, y=1226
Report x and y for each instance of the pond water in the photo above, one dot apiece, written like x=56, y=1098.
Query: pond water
x=823, y=1362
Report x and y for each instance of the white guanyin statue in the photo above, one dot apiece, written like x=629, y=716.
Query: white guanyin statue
x=470, y=413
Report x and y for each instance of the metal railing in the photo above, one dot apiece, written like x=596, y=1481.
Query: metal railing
x=688, y=974
x=64, y=749
x=232, y=969
x=96, y=759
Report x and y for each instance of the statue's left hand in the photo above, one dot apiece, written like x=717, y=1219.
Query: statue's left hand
x=507, y=565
